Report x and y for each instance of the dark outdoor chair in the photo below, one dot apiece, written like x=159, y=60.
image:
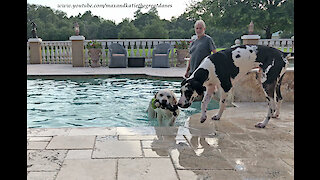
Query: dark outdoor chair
x=160, y=56
x=118, y=56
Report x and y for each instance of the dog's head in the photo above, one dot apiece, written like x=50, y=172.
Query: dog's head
x=165, y=97
x=190, y=89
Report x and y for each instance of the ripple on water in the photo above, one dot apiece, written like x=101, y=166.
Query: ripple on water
x=95, y=102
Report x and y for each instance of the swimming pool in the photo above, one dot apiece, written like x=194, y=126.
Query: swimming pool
x=97, y=102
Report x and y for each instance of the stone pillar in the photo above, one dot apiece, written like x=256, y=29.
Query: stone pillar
x=35, y=50
x=250, y=39
x=77, y=51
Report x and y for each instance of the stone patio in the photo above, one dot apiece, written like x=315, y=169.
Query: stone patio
x=231, y=148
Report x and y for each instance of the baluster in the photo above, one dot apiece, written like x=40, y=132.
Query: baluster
x=62, y=52
x=292, y=50
x=65, y=53
x=70, y=52
x=48, y=53
x=43, y=56
x=274, y=43
x=277, y=44
x=56, y=53
x=289, y=45
x=143, y=44
x=138, y=43
x=59, y=45
x=65, y=46
x=126, y=44
x=283, y=44
x=132, y=47
x=149, y=49
x=52, y=54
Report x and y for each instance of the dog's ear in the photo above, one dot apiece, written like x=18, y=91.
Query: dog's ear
x=200, y=90
x=174, y=98
x=196, y=85
x=183, y=82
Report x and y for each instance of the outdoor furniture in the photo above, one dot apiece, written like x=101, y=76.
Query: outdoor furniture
x=118, y=56
x=160, y=56
x=136, y=62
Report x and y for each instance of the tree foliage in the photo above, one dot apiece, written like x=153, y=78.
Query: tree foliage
x=226, y=20
x=268, y=15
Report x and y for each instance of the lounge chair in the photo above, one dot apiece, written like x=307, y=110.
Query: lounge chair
x=118, y=56
x=160, y=56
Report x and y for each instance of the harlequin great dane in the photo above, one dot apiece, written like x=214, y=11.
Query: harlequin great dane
x=226, y=67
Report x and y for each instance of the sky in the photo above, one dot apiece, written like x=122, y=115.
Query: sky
x=110, y=10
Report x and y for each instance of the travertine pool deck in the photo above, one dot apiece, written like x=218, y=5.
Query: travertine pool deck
x=231, y=148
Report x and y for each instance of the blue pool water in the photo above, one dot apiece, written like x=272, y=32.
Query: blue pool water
x=97, y=102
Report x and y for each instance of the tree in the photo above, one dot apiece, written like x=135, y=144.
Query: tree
x=107, y=30
x=128, y=30
x=156, y=30
x=267, y=15
x=181, y=27
x=143, y=19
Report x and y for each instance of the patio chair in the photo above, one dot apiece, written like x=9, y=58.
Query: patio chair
x=160, y=56
x=118, y=56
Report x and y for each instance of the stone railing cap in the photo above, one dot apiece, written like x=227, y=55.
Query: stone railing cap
x=34, y=40
x=77, y=38
x=250, y=37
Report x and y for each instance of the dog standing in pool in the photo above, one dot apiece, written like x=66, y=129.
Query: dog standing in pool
x=226, y=67
x=164, y=107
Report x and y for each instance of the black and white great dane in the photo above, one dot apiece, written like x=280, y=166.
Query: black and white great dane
x=226, y=67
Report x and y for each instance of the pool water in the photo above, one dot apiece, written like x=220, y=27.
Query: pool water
x=98, y=102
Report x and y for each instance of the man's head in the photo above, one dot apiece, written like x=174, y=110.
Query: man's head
x=199, y=27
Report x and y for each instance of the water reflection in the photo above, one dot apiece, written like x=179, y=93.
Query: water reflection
x=195, y=147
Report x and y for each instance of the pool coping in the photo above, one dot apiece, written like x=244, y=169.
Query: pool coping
x=35, y=70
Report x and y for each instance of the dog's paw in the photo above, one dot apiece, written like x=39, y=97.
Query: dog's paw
x=203, y=119
x=260, y=125
x=216, y=117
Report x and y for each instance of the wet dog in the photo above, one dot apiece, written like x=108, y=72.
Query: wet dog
x=226, y=67
x=164, y=107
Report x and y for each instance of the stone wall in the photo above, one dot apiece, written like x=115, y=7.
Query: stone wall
x=250, y=90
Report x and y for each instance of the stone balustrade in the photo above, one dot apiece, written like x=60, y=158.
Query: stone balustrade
x=286, y=45
x=60, y=52
x=134, y=48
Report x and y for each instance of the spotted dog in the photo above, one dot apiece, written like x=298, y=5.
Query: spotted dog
x=164, y=107
x=226, y=67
